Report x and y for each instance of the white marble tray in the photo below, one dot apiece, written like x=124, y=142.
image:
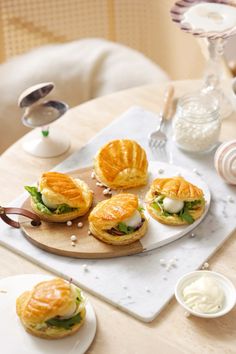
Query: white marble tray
x=130, y=282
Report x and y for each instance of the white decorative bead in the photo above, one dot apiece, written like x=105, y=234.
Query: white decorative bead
x=186, y=314
x=107, y=191
x=162, y=262
x=73, y=238
x=85, y=268
x=196, y=171
x=80, y=224
x=230, y=199
x=205, y=266
x=69, y=223
x=225, y=161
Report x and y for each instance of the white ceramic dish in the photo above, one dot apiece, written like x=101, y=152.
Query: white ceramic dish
x=14, y=338
x=222, y=281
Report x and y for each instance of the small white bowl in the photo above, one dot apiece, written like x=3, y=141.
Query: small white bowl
x=226, y=285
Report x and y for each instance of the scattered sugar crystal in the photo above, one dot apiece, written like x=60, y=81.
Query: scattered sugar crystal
x=125, y=287
x=96, y=277
x=73, y=244
x=129, y=296
x=192, y=234
x=164, y=277
x=80, y=224
x=93, y=175
x=69, y=223
x=161, y=170
x=99, y=184
x=147, y=290
x=176, y=258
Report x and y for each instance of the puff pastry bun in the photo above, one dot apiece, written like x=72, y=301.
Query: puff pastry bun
x=121, y=164
x=63, y=198
x=52, y=309
x=109, y=220
x=165, y=194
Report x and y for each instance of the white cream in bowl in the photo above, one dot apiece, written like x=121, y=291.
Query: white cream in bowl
x=205, y=294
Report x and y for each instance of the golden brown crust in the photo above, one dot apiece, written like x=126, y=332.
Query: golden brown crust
x=64, y=185
x=121, y=164
x=108, y=213
x=177, y=188
x=45, y=301
x=60, y=188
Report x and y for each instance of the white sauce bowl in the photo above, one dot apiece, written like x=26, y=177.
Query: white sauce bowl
x=226, y=285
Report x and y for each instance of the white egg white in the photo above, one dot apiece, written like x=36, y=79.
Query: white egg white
x=48, y=203
x=172, y=205
x=134, y=220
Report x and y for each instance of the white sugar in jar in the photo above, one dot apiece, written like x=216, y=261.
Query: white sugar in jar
x=196, y=125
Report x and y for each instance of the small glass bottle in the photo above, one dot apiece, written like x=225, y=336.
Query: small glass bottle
x=196, y=125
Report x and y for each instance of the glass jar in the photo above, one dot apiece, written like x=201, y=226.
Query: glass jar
x=196, y=125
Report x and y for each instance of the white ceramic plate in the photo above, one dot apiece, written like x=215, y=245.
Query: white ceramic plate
x=15, y=340
x=159, y=234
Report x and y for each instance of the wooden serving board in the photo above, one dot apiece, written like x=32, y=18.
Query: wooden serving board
x=55, y=237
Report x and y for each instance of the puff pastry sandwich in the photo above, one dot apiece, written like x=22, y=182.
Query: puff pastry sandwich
x=174, y=201
x=118, y=220
x=60, y=197
x=121, y=164
x=52, y=309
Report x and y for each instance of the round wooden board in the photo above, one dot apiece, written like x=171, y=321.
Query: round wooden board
x=55, y=237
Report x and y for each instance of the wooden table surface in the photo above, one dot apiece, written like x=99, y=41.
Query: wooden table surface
x=117, y=332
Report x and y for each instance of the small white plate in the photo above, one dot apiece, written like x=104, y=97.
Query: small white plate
x=224, y=283
x=14, y=338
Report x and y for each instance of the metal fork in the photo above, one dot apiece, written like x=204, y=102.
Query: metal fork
x=158, y=138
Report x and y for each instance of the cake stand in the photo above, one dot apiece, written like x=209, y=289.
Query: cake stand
x=214, y=20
